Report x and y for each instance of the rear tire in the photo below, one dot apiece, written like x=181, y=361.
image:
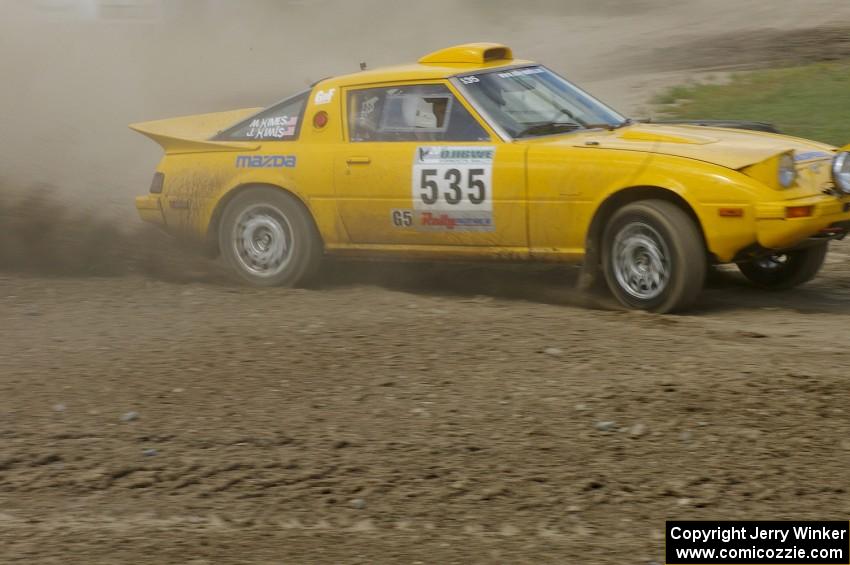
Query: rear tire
x=268, y=238
x=653, y=256
x=786, y=270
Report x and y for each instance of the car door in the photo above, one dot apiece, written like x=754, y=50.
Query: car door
x=417, y=168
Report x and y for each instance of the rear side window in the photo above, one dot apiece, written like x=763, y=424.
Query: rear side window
x=425, y=112
x=281, y=122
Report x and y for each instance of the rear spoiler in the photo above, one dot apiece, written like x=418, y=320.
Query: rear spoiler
x=733, y=124
x=191, y=134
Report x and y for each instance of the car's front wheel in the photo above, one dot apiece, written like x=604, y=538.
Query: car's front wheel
x=653, y=256
x=268, y=238
x=786, y=270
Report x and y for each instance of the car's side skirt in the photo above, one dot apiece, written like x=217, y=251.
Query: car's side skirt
x=457, y=252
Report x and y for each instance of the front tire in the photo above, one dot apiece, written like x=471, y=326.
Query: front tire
x=268, y=238
x=653, y=257
x=786, y=270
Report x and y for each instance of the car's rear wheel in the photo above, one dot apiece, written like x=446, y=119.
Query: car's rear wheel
x=653, y=256
x=268, y=238
x=786, y=270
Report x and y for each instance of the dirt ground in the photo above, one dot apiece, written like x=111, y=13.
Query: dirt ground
x=152, y=412
x=406, y=414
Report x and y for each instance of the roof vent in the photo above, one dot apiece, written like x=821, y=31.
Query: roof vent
x=469, y=54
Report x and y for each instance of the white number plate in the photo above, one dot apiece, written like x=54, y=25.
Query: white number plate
x=453, y=188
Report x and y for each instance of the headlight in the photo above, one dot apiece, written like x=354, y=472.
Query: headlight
x=787, y=171
x=841, y=171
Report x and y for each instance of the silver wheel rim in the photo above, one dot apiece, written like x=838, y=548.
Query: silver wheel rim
x=262, y=240
x=772, y=262
x=641, y=261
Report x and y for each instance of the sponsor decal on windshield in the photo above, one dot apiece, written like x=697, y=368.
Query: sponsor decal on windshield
x=521, y=72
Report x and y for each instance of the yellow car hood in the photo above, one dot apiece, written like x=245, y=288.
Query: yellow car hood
x=731, y=148
x=191, y=134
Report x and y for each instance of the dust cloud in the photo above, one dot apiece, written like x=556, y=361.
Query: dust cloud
x=41, y=236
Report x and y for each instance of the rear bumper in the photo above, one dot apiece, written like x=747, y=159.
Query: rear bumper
x=150, y=209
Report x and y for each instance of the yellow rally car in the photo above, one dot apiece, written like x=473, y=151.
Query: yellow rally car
x=472, y=154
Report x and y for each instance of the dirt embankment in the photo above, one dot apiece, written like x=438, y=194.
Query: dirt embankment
x=754, y=49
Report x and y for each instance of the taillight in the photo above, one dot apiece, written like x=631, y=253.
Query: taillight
x=157, y=182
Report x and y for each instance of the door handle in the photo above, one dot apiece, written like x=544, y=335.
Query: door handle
x=358, y=160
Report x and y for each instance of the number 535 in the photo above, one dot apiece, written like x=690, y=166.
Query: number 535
x=451, y=186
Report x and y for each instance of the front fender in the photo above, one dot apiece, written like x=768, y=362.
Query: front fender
x=711, y=192
x=569, y=187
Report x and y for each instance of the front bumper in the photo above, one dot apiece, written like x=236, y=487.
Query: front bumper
x=150, y=209
x=828, y=220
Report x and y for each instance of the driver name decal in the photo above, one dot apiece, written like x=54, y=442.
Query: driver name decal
x=275, y=127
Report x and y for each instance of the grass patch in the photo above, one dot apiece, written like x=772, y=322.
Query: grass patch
x=811, y=101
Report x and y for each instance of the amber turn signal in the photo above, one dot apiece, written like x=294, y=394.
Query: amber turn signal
x=731, y=212
x=799, y=211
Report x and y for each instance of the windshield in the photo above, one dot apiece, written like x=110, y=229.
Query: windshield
x=532, y=101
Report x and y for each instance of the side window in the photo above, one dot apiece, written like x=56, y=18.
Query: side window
x=281, y=122
x=427, y=112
